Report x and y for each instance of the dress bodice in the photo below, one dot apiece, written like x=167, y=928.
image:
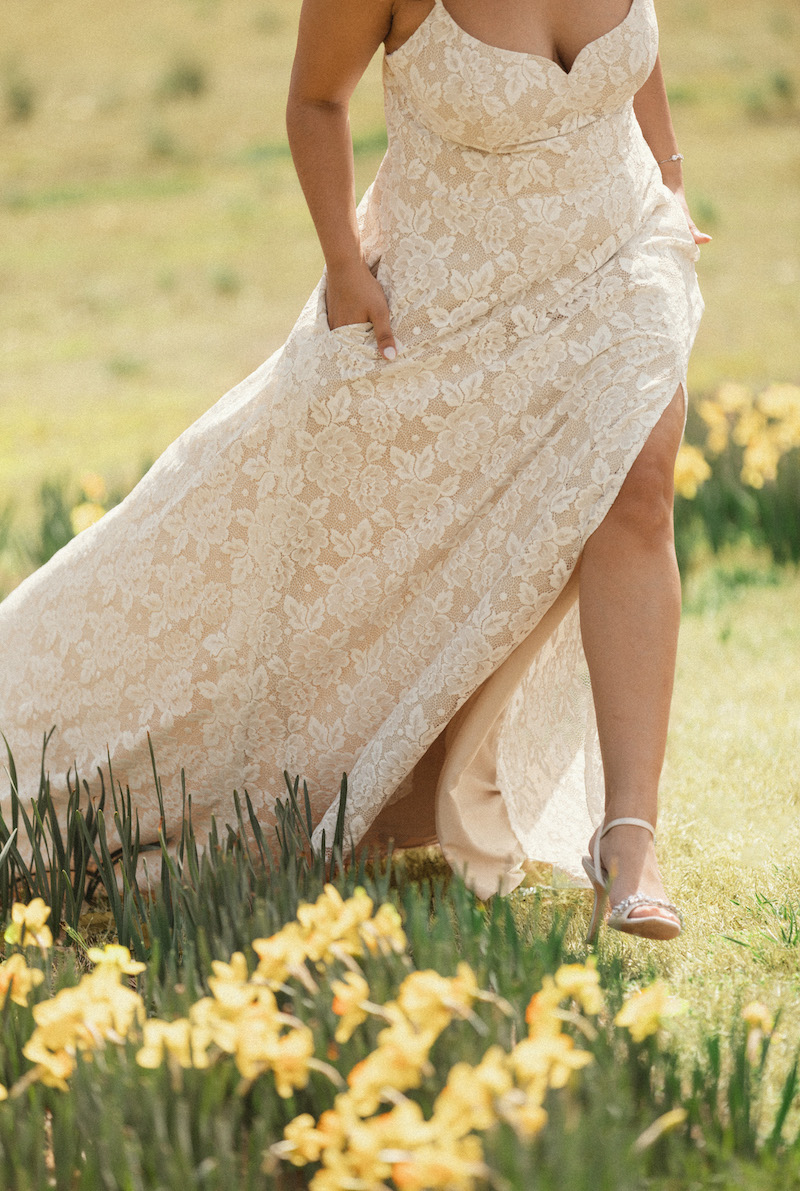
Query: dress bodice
x=500, y=101
x=504, y=171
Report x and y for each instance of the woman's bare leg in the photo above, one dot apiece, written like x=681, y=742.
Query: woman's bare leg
x=630, y=604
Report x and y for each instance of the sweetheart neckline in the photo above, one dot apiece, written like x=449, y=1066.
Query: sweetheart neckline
x=567, y=74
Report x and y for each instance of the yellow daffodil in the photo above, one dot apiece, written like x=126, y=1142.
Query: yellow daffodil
x=17, y=980
x=349, y=1149
x=758, y=1017
x=383, y=932
x=222, y=1018
x=286, y=1055
x=786, y=433
x=349, y=996
x=733, y=397
x=214, y=1025
x=359, y=1169
x=716, y=419
x=549, y=1057
x=234, y=972
x=83, y=1018
x=430, y=1001
x=455, y=1165
x=643, y=1012
x=405, y=1127
x=113, y=955
x=760, y=460
x=93, y=486
x=124, y=1006
x=333, y=921
x=540, y=1016
x=304, y=1142
x=84, y=515
x=398, y=1062
x=280, y=953
x=527, y=1116
x=760, y=1023
x=88, y=1014
x=336, y=1123
x=781, y=402
x=61, y=1020
x=329, y=928
x=52, y=1067
x=3, y=1093
x=750, y=424
x=691, y=471
x=175, y=1041
x=27, y=927
x=582, y=983
x=256, y=1046
x=233, y=991
x=468, y=1099
x=361, y=1156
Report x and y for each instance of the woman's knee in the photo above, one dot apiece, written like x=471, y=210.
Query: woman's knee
x=644, y=504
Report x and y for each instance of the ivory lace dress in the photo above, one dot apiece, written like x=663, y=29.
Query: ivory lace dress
x=332, y=562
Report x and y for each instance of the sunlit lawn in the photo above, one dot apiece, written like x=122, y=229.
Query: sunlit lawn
x=731, y=829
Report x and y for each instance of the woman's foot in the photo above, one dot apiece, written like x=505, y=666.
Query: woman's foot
x=628, y=857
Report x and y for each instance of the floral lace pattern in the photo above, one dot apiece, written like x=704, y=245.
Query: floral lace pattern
x=321, y=570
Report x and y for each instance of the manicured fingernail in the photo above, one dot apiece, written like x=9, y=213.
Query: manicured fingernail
x=390, y=353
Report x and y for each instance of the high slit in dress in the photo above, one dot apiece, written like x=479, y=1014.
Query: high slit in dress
x=355, y=565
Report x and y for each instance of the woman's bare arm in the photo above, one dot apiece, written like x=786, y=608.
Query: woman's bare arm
x=652, y=111
x=336, y=40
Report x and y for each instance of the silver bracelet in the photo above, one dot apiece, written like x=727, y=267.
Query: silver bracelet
x=674, y=157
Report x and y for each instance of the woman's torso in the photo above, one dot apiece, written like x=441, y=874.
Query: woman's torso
x=504, y=173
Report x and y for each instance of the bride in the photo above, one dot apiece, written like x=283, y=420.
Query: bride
x=429, y=541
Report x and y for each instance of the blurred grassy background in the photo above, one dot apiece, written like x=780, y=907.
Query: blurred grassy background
x=154, y=244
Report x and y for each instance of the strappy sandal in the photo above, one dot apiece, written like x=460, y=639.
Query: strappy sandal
x=648, y=926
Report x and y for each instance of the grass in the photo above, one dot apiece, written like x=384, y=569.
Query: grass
x=149, y=213
x=729, y=824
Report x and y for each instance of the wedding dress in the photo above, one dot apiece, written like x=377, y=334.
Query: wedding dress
x=362, y=566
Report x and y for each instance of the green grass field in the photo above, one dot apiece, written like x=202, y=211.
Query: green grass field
x=155, y=248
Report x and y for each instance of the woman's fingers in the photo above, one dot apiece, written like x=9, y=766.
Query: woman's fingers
x=699, y=237
x=354, y=295
x=382, y=327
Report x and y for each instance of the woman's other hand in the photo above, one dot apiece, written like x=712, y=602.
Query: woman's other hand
x=680, y=195
x=355, y=296
x=651, y=107
x=699, y=237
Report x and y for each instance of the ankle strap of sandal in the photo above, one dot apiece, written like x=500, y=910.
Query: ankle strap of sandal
x=607, y=827
x=631, y=822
